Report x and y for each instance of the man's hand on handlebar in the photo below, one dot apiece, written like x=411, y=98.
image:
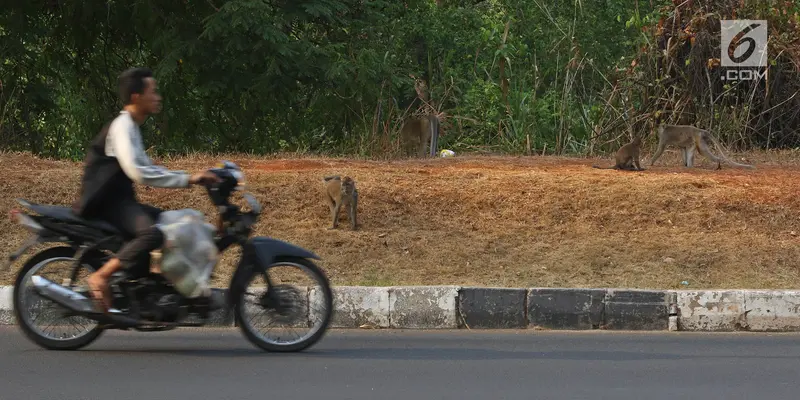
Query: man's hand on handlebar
x=204, y=178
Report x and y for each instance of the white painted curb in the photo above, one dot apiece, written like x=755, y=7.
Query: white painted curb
x=711, y=310
x=356, y=306
x=739, y=310
x=6, y=305
x=423, y=307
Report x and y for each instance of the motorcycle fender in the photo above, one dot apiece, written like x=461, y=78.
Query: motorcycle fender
x=260, y=252
x=32, y=241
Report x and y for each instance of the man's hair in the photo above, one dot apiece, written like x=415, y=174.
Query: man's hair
x=131, y=81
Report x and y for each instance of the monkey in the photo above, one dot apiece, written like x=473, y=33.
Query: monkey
x=627, y=157
x=418, y=132
x=689, y=139
x=341, y=191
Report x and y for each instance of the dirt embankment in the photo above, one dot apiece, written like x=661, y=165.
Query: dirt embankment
x=502, y=221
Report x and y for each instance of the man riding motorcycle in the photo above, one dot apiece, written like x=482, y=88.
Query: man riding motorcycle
x=115, y=160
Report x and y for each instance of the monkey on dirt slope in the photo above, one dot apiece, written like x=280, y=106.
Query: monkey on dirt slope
x=338, y=192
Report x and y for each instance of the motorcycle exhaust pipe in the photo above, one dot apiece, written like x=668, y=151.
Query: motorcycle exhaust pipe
x=79, y=303
x=61, y=295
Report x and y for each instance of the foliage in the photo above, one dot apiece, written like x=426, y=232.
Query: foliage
x=677, y=77
x=339, y=76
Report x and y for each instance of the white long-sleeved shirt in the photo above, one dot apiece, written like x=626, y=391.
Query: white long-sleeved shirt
x=124, y=141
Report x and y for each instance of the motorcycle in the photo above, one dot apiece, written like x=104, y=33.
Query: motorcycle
x=149, y=302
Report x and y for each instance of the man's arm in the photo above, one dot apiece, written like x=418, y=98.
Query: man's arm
x=126, y=145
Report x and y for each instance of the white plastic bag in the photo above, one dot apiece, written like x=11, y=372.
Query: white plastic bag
x=189, y=253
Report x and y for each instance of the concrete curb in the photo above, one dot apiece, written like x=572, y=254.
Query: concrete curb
x=6, y=305
x=455, y=307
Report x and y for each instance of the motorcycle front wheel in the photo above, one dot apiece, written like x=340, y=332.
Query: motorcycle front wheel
x=297, y=312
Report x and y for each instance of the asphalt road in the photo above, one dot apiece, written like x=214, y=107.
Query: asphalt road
x=221, y=364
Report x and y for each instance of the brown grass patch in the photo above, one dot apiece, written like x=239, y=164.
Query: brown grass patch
x=501, y=221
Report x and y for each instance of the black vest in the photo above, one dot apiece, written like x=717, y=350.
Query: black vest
x=104, y=182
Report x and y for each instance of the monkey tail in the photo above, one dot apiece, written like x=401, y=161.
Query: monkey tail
x=332, y=177
x=598, y=167
x=722, y=154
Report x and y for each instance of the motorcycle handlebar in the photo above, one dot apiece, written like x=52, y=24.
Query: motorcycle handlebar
x=232, y=178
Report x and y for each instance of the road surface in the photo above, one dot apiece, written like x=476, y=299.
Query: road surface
x=221, y=364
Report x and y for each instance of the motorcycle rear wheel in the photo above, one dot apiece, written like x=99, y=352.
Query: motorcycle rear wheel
x=24, y=319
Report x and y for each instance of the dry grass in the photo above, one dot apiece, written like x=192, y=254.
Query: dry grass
x=503, y=221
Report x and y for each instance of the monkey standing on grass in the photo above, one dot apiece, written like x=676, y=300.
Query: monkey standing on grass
x=688, y=139
x=341, y=191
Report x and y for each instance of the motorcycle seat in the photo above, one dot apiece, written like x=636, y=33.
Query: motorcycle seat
x=66, y=214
